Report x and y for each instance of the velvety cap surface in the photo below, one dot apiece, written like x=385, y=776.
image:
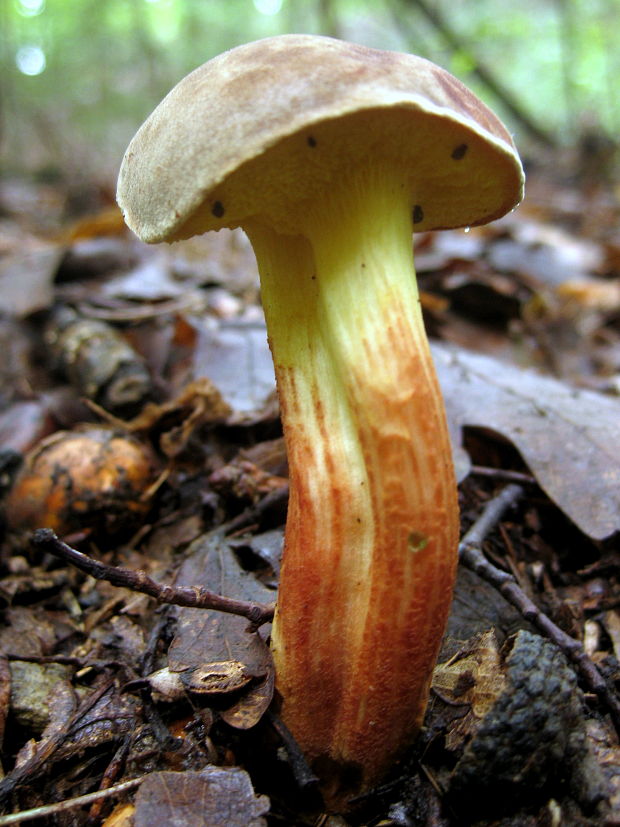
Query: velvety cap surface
x=260, y=129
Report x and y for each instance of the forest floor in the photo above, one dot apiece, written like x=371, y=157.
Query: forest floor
x=139, y=423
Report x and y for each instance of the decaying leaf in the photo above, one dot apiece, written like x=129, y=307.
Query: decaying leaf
x=26, y=278
x=244, y=481
x=547, y=255
x=236, y=357
x=31, y=684
x=215, y=678
x=199, y=404
x=476, y=607
x=26, y=631
x=5, y=694
x=121, y=816
x=569, y=438
x=102, y=718
x=250, y=708
x=151, y=280
x=611, y=621
x=216, y=648
x=212, y=797
x=34, y=753
x=265, y=547
x=222, y=258
x=474, y=678
x=604, y=745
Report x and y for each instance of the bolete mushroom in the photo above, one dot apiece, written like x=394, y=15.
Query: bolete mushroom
x=329, y=155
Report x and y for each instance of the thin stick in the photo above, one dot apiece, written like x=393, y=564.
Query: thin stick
x=112, y=772
x=44, y=539
x=69, y=660
x=304, y=776
x=471, y=556
x=503, y=474
x=46, y=749
x=275, y=500
x=69, y=804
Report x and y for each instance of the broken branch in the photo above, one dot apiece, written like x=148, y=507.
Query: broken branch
x=472, y=557
x=69, y=804
x=44, y=539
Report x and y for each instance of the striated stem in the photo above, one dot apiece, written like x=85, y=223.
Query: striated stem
x=372, y=528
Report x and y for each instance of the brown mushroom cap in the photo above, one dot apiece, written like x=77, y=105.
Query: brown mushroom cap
x=260, y=129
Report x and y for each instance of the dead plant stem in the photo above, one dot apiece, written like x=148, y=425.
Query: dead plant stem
x=471, y=556
x=44, y=539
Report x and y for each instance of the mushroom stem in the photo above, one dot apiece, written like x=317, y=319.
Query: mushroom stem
x=372, y=528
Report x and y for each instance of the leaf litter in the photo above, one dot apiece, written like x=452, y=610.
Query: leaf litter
x=528, y=358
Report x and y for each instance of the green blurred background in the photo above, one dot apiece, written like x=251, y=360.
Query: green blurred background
x=79, y=76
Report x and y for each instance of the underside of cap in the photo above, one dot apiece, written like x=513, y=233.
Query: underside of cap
x=259, y=131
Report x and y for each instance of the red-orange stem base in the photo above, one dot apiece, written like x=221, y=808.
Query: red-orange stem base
x=372, y=529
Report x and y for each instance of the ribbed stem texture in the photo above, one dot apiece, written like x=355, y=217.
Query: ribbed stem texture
x=372, y=527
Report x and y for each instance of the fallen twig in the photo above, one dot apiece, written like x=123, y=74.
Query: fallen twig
x=44, y=539
x=304, y=776
x=69, y=804
x=276, y=500
x=52, y=738
x=503, y=474
x=471, y=556
x=114, y=770
x=69, y=660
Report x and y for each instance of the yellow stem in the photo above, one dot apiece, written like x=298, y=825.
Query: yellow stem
x=372, y=528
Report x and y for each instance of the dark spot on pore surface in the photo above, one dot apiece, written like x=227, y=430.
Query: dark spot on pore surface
x=459, y=152
x=418, y=214
x=311, y=140
x=218, y=209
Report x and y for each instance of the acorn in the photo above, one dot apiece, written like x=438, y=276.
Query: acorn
x=94, y=479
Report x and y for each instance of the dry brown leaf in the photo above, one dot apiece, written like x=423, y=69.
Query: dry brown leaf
x=218, y=646
x=474, y=677
x=31, y=685
x=61, y=704
x=107, y=222
x=199, y=404
x=545, y=254
x=5, y=694
x=216, y=678
x=236, y=357
x=27, y=631
x=250, y=708
x=592, y=294
x=26, y=279
x=121, y=816
x=569, y=438
x=604, y=745
x=110, y=717
x=212, y=797
x=611, y=622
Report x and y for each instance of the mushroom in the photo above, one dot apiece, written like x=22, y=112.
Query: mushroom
x=329, y=154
